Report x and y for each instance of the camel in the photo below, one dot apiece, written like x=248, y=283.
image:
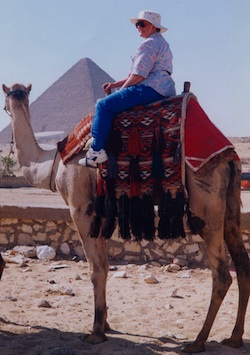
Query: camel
x=214, y=202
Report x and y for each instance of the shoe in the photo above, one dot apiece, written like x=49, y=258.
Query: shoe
x=93, y=158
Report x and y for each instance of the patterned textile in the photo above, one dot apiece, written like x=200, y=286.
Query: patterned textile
x=76, y=140
x=144, y=149
x=144, y=166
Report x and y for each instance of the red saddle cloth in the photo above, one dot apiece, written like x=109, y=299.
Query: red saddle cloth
x=146, y=148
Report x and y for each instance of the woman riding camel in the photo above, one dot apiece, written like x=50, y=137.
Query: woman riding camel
x=149, y=81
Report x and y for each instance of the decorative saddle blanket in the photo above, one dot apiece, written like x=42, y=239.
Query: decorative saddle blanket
x=145, y=148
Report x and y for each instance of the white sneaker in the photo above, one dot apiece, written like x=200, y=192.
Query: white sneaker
x=93, y=158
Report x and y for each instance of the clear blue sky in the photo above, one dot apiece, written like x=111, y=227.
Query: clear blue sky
x=41, y=39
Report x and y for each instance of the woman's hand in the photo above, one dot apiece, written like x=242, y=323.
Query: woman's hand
x=107, y=88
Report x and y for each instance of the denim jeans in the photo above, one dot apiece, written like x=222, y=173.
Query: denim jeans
x=115, y=103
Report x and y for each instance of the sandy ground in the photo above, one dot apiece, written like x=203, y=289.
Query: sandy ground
x=144, y=318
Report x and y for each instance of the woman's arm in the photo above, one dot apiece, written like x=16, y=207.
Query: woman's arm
x=132, y=79
x=108, y=86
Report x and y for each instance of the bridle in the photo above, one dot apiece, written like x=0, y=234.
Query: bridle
x=19, y=94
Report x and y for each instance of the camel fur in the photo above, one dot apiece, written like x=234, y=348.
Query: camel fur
x=214, y=204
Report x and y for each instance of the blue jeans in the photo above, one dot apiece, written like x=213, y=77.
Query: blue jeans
x=115, y=103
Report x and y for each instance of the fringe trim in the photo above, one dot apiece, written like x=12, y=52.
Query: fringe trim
x=171, y=212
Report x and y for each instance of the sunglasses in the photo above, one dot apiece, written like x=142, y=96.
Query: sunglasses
x=142, y=24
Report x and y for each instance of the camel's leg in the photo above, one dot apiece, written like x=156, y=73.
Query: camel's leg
x=96, y=253
x=79, y=195
x=2, y=265
x=208, y=203
x=241, y=262
x=240, y=258
x=221, y=283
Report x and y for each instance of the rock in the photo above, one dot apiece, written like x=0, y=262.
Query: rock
x=18, y=259
x=66, y=291
x=150, y=279
x=145, y=266
x=65, y=249
x=168, y=306
x=186, y=275
x=78, y=277
x=180, y=261
x=113, y=268
x=45, y=252
x=172, y=268
x=174, y=293
x=44, y=304
x=27, y=269
x=58, y=266
x=120, y=274
x=26, y=251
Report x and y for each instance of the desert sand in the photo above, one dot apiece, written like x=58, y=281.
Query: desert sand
x=48, y=311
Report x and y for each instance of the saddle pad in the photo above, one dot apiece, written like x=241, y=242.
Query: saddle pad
x=76, y=140
x=144, y=150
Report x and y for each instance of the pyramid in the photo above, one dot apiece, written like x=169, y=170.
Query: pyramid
x=67, y=101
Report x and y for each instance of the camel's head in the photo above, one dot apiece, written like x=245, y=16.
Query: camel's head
x=17, y=92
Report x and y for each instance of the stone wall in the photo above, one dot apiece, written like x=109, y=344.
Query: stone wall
x=54, y=227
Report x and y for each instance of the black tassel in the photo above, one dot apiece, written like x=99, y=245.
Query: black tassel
x=148, y=216
x=165, y=212
x=135, y=217
x=95, y=228
x=112, y=166
x=157, y=166
x=134, y=169
x=111, y=214
x=123, y=217
x=171, y=211
x=99, y=206
x=178, y=209
x=100, y=213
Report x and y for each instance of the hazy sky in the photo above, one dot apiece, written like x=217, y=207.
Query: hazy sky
x=41, y=39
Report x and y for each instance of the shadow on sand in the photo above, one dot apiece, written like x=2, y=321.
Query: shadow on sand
x=38, y=340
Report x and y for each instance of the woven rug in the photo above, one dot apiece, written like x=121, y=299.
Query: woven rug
x=76, y=140
x=145, y=149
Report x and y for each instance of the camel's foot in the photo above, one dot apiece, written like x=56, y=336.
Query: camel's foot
x=232, y=343
x=95, y=338
x=194, y=347
x=107, y=327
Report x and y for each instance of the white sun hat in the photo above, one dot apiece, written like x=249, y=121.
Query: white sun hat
x=150, y=16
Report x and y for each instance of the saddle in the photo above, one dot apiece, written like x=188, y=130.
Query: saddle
x=147, y=151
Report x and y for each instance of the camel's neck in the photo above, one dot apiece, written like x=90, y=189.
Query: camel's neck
x=35, y=163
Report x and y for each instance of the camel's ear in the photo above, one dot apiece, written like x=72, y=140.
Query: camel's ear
x=6, y=90
x=29, y=88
